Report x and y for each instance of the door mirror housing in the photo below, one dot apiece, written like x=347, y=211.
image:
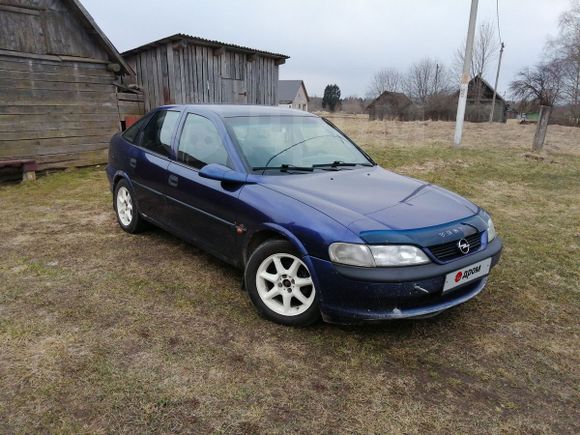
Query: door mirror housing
x=215, y=171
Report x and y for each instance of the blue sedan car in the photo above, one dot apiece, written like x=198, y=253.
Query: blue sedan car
x=317, y=226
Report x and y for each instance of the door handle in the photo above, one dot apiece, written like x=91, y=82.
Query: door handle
x=132, y=162
x=172, y=180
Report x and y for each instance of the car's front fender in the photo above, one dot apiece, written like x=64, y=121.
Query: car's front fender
x=308, y=229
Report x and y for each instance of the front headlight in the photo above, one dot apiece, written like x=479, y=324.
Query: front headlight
x=398, y=255
x=490, y=230
x=376, y=256
x=351, y=254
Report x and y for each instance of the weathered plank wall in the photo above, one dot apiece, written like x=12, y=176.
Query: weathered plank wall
x=58, y=101
x=130, y=104
x=177, y=73
x=479, y=111
x=59, y=113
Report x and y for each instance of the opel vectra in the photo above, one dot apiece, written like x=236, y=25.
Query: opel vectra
x=318, y=227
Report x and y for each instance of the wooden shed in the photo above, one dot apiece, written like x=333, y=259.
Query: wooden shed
x=479, y=99
x=183, y=69
x=390, y=105
x=61, y=98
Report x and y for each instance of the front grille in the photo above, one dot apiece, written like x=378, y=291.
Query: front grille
x=449, y=251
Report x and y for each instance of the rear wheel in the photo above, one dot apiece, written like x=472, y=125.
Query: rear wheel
x=126, y=208
x=280, y=284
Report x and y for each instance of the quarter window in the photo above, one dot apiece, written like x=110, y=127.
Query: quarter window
x=200, y=143
x=158, y=132
x=131, y=133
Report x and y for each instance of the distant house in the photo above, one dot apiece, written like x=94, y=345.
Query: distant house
x=528, y=117
x=479, y=99
x=183, y=69
x=62, y=95
x=292, y=94
x=390, y=105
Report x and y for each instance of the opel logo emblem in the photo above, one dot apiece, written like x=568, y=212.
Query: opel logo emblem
x=463, y=246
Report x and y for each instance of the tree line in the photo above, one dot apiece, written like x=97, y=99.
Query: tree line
x=429, y=83
x=432, y=85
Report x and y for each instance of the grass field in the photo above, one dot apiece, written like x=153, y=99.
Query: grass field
x=105, y=332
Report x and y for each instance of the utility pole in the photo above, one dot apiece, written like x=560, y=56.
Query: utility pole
x=465, y=76
x=496, y=80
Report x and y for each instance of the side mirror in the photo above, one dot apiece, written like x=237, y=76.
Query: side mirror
x=215, y=171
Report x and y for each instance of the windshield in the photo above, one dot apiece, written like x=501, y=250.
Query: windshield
x=293, y=142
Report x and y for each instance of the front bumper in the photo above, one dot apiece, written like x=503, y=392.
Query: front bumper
x=356, y=294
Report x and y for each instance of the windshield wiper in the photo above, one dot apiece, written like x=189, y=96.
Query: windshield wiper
x=293, y=145
x=338, y=164
x=284, y=168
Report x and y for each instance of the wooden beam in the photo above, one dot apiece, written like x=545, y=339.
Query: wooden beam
x=114, y=67
x=278, y=62
x=20, y=10
x=252, y=57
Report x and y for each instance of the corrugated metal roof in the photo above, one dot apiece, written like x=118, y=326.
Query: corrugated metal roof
x=205, y=42
x=288, y=89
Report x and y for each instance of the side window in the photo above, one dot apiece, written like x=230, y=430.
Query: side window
x=157, y=133
x=200, y=143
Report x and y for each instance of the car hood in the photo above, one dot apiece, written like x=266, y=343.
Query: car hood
x=370, y=199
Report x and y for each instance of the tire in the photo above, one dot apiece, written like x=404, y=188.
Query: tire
x=126, y=209
x=280, y=285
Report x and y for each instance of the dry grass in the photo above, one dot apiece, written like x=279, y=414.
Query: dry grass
x=561, y=140
x=105, y=332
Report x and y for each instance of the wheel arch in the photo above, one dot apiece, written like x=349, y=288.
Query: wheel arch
x=268, y=232
x=121, y=175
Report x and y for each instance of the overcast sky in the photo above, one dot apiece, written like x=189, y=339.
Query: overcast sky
x=336, y=41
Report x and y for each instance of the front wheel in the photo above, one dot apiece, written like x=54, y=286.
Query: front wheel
x=280, y=285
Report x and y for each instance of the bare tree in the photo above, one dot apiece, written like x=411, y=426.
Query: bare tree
x=386, y=79
x=485, y=49
x=424, y=79
x=541, y=84
x=565, y=51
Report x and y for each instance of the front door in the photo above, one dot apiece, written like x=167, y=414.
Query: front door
x=240, y=92
x=234, y=91
x=202, y=210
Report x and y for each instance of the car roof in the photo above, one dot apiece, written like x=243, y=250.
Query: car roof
x=232, y=110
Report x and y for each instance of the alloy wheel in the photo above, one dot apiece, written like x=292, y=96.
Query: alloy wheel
x=124, y=206
x=285, y=285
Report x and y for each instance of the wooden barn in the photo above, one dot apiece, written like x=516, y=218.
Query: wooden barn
x=183, y=69
x=390, y=105
x=61, y=97
x=479, y=98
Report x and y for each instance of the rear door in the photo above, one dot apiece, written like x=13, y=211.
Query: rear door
x=150, y=161
x=201, y=210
